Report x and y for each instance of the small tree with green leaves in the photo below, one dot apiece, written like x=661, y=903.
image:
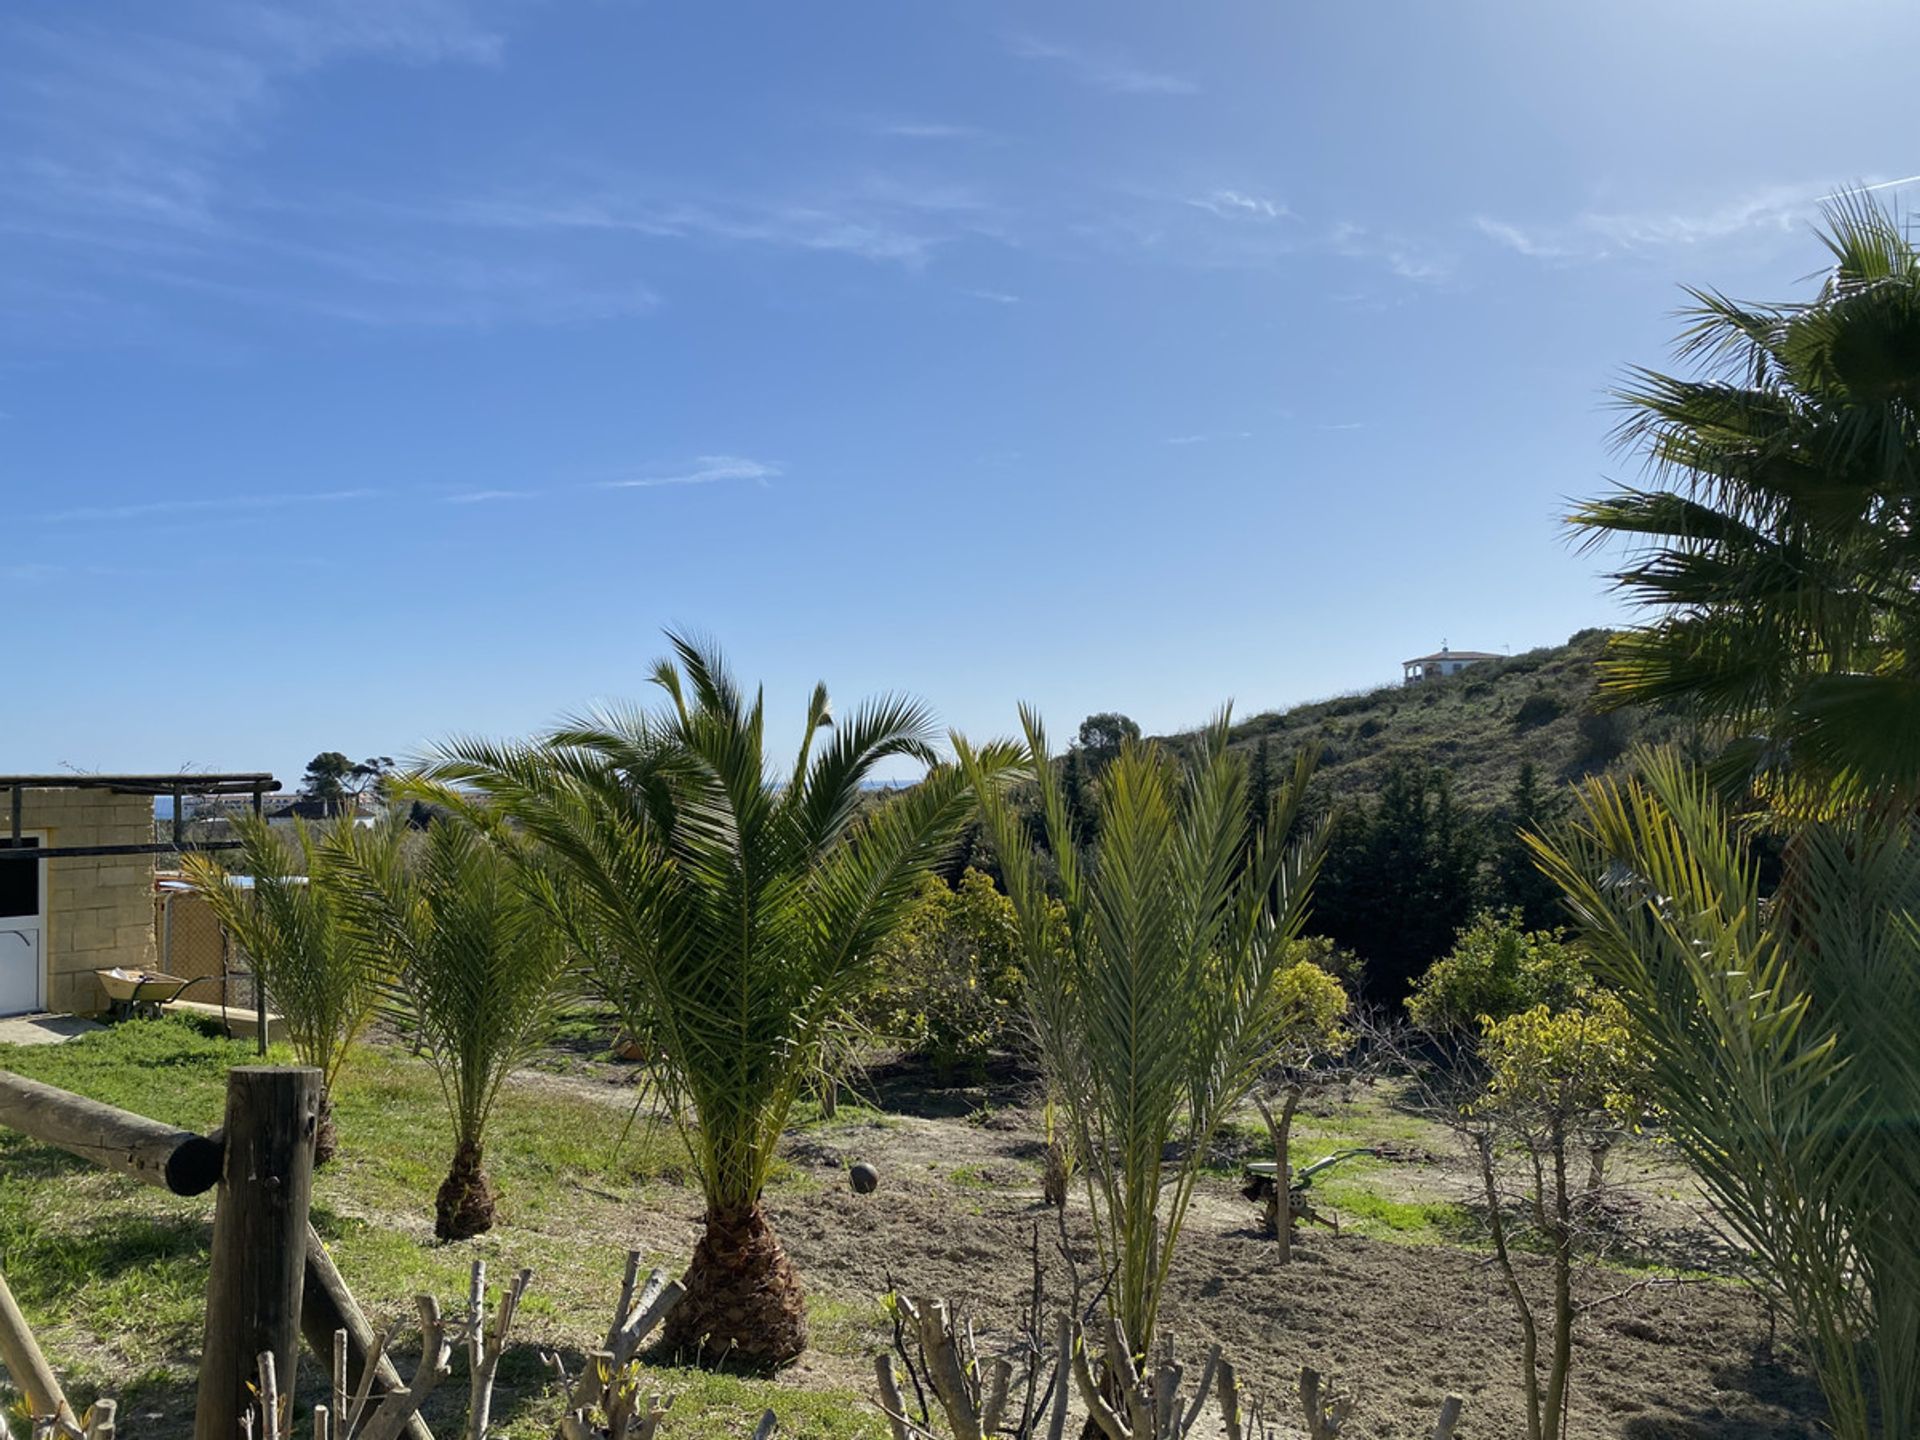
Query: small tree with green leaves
x=1311, y=1040
x=323, y=978
x=1496, y=969
x=950, y=976
x=1154, y=1019
x=1557, y=1080
x=479, y=971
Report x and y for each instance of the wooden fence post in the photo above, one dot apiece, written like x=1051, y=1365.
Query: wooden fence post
x=259, y=1258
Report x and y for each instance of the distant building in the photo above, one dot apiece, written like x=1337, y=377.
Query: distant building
x=1443, y=662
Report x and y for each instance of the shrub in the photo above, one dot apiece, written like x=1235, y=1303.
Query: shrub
x=1604, y=735
x=1497, y=969
x=1538, y=709
x=950, y=977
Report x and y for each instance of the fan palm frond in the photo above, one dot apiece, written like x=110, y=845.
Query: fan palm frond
x=1781, y=553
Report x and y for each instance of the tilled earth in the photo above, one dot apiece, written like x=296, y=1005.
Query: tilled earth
x=958, y=1214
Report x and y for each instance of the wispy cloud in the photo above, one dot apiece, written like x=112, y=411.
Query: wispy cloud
x=214, y=504
x=1237, y=205
x=486, y=497
x=1207, y=437
x=1603, y=234
x=1100, y=69
x=134, y=126
x=995, y=297
x=1240, y=227
x=876, y=218
x=702, y=470
x=926, y=130
x=1409, y=260
x=128, y=146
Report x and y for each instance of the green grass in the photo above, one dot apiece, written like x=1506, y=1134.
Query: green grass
x=112, y=1274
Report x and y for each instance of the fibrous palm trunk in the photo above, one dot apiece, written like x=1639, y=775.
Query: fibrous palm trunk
x=326, y=1138
x=744, y=1305
x=464, y=1206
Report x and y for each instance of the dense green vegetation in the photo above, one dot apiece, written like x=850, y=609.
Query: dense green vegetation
x=1479, y=727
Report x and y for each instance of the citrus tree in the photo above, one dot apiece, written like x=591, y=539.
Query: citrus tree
x=949, y=977
x=1309, y=1043
x=1496, y=969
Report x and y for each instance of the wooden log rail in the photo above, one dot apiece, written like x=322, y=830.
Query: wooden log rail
x=152, y=1153
x=186, y=1163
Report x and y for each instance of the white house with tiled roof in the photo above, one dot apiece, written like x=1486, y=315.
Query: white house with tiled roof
x=1444, y=662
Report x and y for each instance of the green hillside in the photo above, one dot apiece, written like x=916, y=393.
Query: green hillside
x=1478, y=725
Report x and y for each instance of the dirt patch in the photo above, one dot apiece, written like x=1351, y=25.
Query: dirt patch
x=958, y=1210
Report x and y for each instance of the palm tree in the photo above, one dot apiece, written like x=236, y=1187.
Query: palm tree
x=318, y=975
x=731, y=914
x=479, y=965
x=1156, y=1017
x=1779, y=1036
x=1782, y=544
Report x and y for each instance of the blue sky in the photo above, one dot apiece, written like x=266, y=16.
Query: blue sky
x=375, y=371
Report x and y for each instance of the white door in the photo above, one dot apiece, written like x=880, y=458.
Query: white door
x=23, y=922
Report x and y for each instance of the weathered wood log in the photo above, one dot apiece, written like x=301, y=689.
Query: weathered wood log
x=127, y=1144
x=20, y=1353
x=328, y=1310
x=256, y=1274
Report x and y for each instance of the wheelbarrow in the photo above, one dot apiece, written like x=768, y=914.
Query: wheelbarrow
x=143, y=992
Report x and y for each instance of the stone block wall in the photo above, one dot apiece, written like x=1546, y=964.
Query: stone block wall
x=99, y=909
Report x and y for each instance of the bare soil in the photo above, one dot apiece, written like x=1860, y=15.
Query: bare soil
x=959, y=1214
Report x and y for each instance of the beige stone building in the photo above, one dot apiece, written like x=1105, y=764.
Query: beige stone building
x=64, y=915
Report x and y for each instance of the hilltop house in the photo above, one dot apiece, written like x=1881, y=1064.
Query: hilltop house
x=1443, y=662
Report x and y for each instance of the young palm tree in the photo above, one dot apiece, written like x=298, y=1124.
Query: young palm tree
x=1154, y=1020
x=1782, y=547
x=319, y=976
x=731, y=914
x=1780, y=1037
x=478, y=976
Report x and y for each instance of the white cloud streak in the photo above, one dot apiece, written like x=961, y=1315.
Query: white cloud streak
x=1595, y=235
x=1099, y=70
x=192, y=505
x=1236, y=205
x=705, y=470
x=486, y=497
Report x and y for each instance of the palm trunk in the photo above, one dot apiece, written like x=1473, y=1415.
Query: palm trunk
x=326, y=1138
x=744, y=1305
x=464, y=1206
